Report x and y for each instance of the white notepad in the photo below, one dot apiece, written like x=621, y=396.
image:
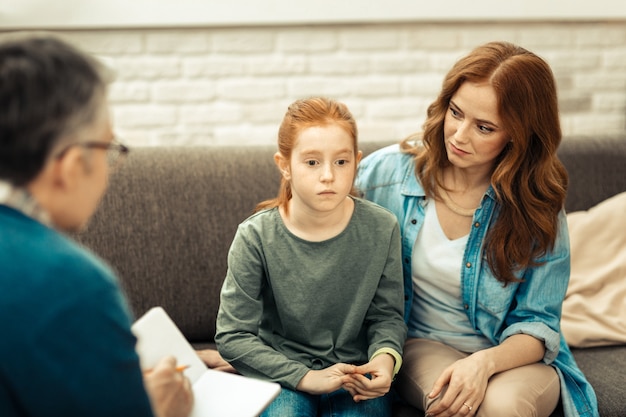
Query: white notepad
x=217, y=394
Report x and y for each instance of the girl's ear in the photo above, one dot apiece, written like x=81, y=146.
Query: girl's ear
x=359, y=155
x=283, y=165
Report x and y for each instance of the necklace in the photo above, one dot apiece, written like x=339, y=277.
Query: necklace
x=455, y=208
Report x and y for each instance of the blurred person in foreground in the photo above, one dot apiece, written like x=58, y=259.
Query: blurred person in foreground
x=66, y=342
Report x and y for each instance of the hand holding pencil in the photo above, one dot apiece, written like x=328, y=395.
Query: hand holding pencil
x=179, y=368
x=169, y=389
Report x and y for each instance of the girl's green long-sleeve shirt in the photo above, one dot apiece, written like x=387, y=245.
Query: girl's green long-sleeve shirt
x=290, y=305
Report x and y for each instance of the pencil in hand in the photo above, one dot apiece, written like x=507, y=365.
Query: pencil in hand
x=179, y=368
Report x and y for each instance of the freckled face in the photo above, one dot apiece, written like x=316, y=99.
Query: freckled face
x=322, y=168
x=473, y=131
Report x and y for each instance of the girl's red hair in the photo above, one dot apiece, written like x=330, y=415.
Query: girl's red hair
x=300, y=115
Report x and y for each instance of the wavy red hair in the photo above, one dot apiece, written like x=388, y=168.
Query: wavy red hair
x=529, y=180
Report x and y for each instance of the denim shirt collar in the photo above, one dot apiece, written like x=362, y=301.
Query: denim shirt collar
x=410, y=185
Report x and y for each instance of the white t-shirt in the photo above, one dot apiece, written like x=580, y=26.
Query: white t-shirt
x=437, y=312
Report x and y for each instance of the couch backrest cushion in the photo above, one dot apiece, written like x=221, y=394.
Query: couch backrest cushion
x=170, y=214
x=596, y=167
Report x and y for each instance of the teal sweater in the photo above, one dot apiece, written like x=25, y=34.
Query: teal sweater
x=65, y=339
x=290, y=305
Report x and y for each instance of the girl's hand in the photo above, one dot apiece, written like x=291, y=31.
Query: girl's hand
x=326, y=380
x=466, y=381
x=380, y=370
x=214, y=360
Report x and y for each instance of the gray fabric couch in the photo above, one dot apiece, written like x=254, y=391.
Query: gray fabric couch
x=170, y=214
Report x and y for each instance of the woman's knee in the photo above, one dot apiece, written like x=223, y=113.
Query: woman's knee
x=422, y=363
x=533, y=390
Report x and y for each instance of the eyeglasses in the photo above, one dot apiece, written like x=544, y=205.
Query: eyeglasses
x=116, y=151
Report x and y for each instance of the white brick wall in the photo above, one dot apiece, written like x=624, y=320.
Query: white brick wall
x=232, y=85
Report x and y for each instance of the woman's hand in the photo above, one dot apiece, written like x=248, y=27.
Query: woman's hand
x=467, y=378
x=380, y=370
x=326, y=380
x=466, y=382
x=214, y=360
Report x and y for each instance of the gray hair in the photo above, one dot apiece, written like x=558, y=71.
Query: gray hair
x=49, y=90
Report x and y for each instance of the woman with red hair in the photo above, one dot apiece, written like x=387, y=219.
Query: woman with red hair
x=479, y=195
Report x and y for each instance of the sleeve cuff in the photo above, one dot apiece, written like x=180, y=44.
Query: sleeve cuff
x=396, y=356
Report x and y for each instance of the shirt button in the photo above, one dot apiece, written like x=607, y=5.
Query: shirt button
x=465, y=306
x=469, y=264
x=476, y=224
x=413, y=221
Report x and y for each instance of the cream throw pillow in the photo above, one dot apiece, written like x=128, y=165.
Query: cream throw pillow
x=594, y=310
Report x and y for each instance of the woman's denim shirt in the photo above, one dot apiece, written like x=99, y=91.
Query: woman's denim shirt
x=532, y=307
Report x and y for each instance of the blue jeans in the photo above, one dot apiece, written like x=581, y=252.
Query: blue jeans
x=336, y=404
